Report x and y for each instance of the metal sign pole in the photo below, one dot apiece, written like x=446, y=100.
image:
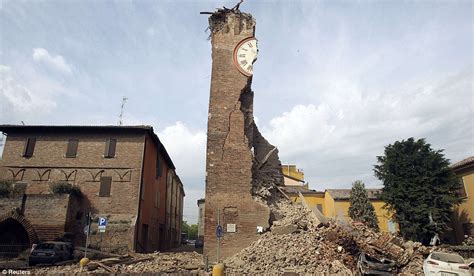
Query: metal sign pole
x=88, y=233
x=218, y=236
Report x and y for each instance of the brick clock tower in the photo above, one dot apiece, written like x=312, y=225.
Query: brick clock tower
x=239, y=160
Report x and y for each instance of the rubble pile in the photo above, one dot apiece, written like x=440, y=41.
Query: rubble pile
x=182, y=263
x=469, y=241
x=298, y=243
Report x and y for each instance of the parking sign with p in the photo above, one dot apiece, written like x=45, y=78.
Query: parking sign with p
x=103, y=221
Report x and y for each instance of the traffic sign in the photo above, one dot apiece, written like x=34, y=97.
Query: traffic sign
x=219, y=231
x=102, y=221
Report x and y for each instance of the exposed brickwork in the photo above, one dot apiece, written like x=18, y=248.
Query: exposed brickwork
x=29, y=228
x=128, y=169
x=44, y=218
x=234, y=173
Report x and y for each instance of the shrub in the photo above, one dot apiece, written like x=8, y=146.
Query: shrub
x=6, y=188
x=66, y=188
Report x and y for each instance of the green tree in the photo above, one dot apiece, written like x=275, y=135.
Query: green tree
x=190, y=230
x=419, y=187
x=361, y=209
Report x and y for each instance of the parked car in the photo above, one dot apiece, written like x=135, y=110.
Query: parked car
x=446, y=264
x=50, y=253
x=199, y=243
x=371, y=266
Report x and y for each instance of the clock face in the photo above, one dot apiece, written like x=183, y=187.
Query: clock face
x=245, y=54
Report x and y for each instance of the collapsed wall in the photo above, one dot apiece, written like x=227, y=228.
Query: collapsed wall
x=242, y=168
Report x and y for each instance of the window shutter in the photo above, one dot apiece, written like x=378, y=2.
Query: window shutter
x=158, y=166
x=110, y=148
x=72, y=148
x=462, y=188
x=105, y=185
x=157, y=199
x=29, y=147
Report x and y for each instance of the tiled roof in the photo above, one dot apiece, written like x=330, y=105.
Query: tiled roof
x=463, y=163
x=346, y=193
x=296, y=189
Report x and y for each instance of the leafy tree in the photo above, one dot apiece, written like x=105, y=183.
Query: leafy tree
x=419, y=187
x=361, y=209
x=6, y=188
x=191, y=230
x=65, y=188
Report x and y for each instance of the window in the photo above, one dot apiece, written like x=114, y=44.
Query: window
x=391, y=226
x=158, y=166
x=144, y=235
x=29, y=147
x=157, y=199
x=110, y=148
x=71, y=151
x=320, y=207
x=462, y=188
x=105, y=185
x=142, y=192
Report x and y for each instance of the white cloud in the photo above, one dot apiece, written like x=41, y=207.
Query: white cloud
x=337, y=141
x=187, y=150
x=18, y=100
x=190, y=211
x=151, y=31
x=58, y=63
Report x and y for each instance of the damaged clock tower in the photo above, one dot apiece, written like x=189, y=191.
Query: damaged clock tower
x=242, y=169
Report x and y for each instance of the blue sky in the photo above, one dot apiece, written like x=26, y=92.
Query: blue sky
x=334, y=83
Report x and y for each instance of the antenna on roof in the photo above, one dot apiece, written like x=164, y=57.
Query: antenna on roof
x=124, y=99
x=23, y=123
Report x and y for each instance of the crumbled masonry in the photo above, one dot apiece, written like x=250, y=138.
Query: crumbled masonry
x=296, y=243
x=299, y=244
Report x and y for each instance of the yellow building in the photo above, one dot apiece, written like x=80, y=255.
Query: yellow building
x=332, y=203
x=313, y=198
x=292, y=172
x=337, y=203
x=463, y=222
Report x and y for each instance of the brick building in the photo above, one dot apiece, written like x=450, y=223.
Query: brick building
x=124, y=173
x=242, y=168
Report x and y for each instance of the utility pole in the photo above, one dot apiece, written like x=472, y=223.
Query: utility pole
x=124, y=99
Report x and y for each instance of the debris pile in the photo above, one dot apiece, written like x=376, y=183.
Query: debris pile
x=183, y=263
x=299, y=243
x=469, y=241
